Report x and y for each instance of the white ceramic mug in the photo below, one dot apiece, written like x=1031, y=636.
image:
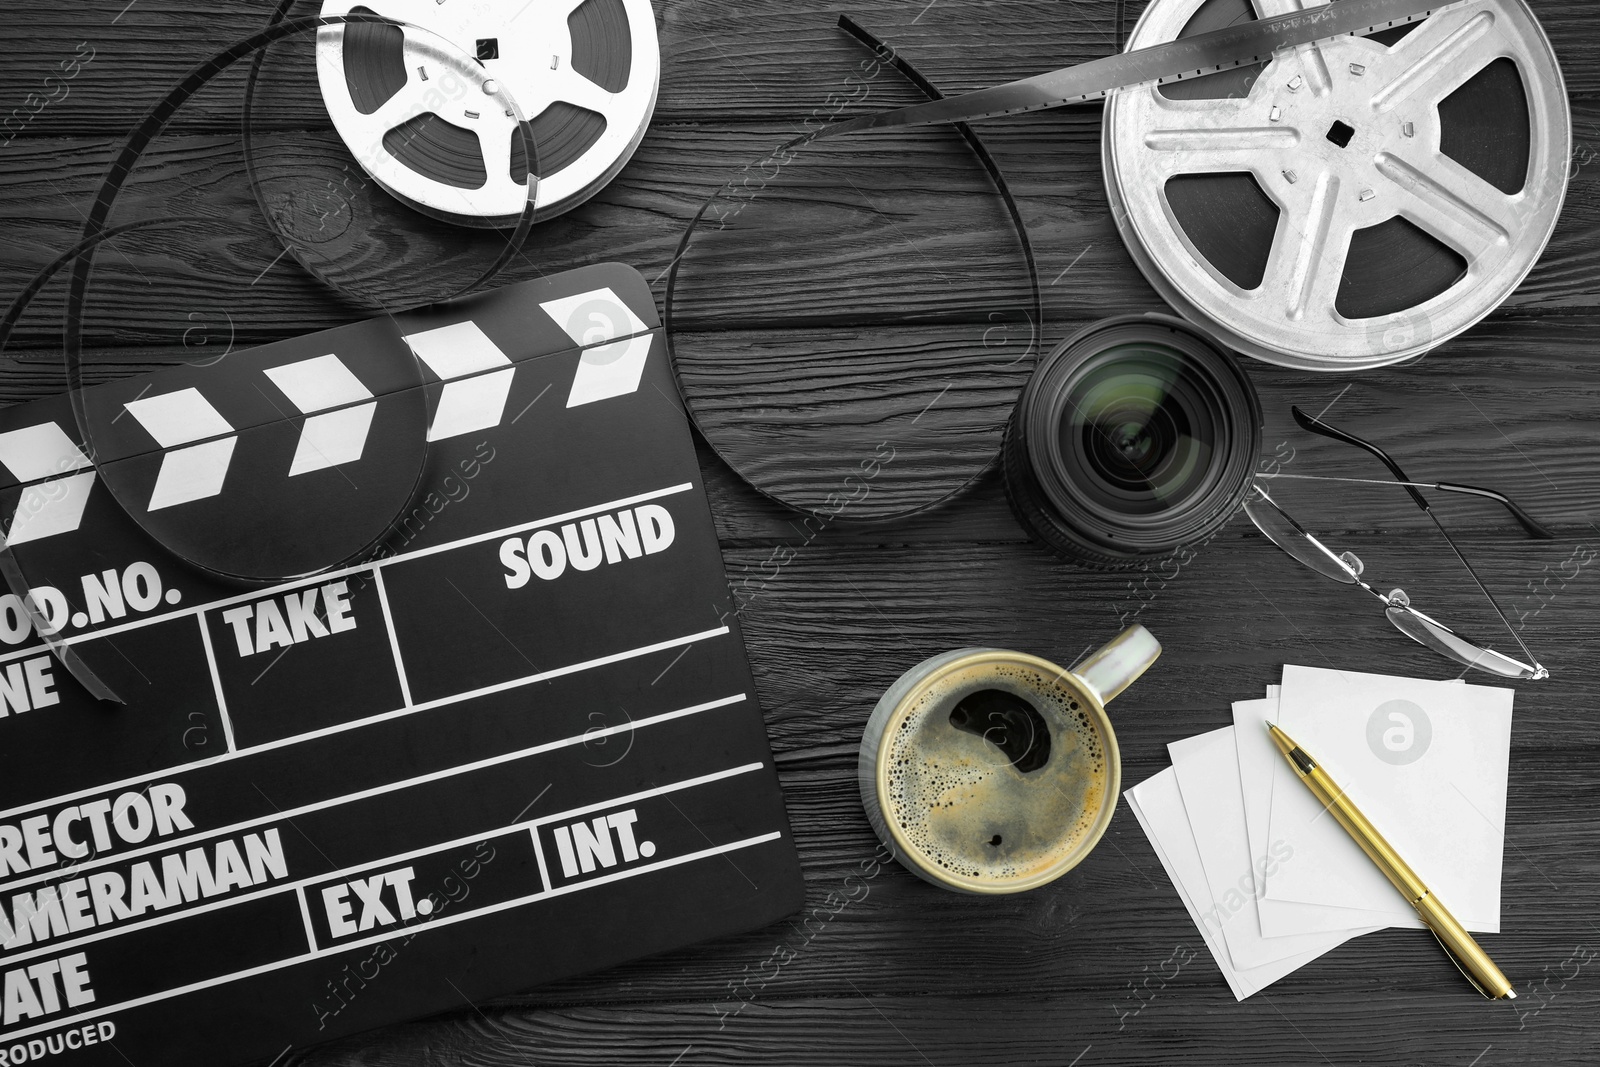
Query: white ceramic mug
x=975, y=794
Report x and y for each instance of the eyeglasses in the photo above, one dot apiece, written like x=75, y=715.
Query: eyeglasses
x=1346, y=568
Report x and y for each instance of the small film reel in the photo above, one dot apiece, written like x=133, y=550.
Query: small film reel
x=585, y=74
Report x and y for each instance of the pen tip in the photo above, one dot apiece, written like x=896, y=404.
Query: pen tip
x=1511, y=994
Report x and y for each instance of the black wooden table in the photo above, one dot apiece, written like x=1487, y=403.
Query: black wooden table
x=875, y=276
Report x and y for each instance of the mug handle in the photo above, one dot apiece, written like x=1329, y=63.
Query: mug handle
x=1118, y=664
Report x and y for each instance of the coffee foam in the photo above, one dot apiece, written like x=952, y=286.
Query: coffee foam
x=961, y=804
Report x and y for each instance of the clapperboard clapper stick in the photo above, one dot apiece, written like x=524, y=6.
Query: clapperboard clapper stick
x=520, y=743
x=1190, y=57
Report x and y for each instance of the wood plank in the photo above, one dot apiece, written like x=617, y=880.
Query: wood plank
x=870, y=612
x=1189, y=1019
x=849, y=298
x=844, y=257
x=1480, y=410
x=809, y=422
x=719, y=64
x=229, y=266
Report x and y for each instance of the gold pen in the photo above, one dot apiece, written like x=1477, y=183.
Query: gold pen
x=1472, y=960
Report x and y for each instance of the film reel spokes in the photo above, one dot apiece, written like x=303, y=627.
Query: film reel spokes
x=1346, y=141
x=585, y=73
x=438, y=129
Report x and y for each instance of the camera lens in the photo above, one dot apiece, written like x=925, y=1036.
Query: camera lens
x=1135, y=437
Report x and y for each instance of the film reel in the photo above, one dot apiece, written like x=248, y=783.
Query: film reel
x=585, y=72
x=1352, y=203
x=342, y=227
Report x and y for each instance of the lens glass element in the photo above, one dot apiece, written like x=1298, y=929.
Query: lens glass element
x=1136, y=436
x=1136, y=432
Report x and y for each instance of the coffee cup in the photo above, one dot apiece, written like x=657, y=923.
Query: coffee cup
x=990, y=771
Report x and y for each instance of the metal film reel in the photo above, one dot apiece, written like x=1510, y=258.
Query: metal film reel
x=585, y=73
x=1352, y=203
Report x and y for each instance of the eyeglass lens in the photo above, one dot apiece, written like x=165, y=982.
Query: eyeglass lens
x=1282, y=531
x=1439, y=637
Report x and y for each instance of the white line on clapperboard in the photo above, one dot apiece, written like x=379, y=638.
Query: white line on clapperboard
x=325, y=576
x=394, y=641
x=279, y=965
x=406, y=709
x=199, y=611
x=170, y=843
x=216, y=679
x=299, y=885
x=488, y=690
x=305, y=915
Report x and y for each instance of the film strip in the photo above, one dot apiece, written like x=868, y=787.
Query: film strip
x=773, y=475
x=324, y=210
x=1330, y=187
x=93, y=429
x=1215, y=48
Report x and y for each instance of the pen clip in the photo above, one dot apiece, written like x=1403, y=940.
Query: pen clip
x=1453, y=959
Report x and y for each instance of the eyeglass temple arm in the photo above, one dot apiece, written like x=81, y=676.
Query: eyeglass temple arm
x=1528, y=522
x=1317, y=426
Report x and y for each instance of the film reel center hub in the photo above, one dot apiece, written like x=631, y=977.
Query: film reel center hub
x=1347, y=204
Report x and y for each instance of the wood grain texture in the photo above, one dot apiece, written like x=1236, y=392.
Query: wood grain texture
x=853, y=288
x=720, y=62
x=1056, y=965
x=979, y=1027
x=883, y=218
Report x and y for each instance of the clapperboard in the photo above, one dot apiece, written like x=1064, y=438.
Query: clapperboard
x=519, y=742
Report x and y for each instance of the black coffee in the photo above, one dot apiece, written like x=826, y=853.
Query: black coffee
x=996, y=772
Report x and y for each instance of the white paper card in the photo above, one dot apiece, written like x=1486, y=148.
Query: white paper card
x=1258, y=759
x=1208, y=777
x=1158, y=805
x=1426, y=762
